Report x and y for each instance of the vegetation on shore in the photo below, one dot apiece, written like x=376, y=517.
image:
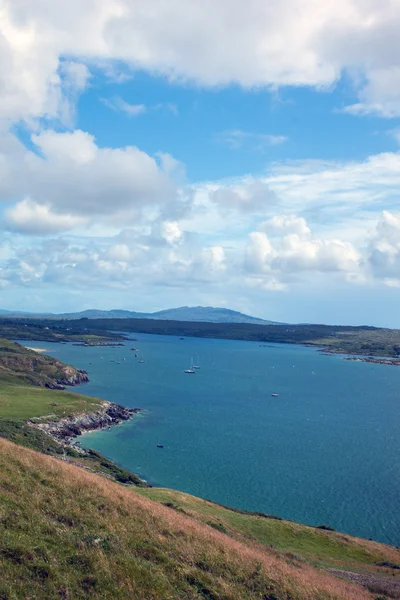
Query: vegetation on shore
x=24, y=366
x=363, y=341
x=67, y=533
x=23, y=373
x=56, y=331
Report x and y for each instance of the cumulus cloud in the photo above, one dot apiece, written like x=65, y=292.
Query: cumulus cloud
x=170, y=232
x=279, y=224
x=294, y=253
x=74, y=176
x=210, y=263
x=384, y=249
x=251, y=197
x=37, y=219
x=169, y=257
x=296, y=42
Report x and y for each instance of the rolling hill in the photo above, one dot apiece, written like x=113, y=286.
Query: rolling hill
x=74, y=525
x=68, y=533
x=207, y=314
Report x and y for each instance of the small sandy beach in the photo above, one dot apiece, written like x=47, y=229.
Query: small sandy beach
x=37, y=349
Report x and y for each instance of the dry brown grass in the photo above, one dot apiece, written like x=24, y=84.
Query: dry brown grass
x=137, y=548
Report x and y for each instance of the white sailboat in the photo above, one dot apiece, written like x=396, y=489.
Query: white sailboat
x=197, y=365
x=190, y=371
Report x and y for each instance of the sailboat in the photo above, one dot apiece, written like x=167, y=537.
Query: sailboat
x=197, y=365
x=190, y=371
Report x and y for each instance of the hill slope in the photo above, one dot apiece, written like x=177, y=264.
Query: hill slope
x=26, y=366
x=67, y=533
x=208, y=314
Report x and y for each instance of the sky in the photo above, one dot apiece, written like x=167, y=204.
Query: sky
x=168, y=153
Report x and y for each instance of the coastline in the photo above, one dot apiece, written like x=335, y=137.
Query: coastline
x=373, y=359
x=39, y=350
x=67, y=429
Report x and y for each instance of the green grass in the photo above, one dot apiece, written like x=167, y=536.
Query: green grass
x=26, y=402
x=21, y=365
x=19, y=432
x=316, y=546
x=67, y=533
x=21, y=401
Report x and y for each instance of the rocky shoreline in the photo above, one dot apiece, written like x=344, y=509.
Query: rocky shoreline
x=377, y=361
x=95, y=344
x=66, y=429
x=71, y=377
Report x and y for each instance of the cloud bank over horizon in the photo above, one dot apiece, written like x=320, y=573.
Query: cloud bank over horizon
x=113, y=221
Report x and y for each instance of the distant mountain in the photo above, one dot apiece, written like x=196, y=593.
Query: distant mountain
x=207, y=314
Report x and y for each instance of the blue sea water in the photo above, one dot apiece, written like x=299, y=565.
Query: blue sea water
x=326, y=451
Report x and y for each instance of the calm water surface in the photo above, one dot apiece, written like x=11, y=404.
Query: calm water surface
x=326, y=451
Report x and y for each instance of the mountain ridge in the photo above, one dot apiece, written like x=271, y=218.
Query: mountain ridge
x=207, y=314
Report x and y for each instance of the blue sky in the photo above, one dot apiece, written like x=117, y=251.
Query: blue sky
x=239, y=155
x=190, y=122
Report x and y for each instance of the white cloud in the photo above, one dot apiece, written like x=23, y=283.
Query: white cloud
x=36, y=219
x=119, y=105
x=259, y=253
x=170, y=257
x=384, y=248
x=74, y=176
x=236, y=138
x=119, y=253
x=286, y=223
x=210, y=262
x=293, y=254
x=248, y=197
x=171, y=232
x=257, y=43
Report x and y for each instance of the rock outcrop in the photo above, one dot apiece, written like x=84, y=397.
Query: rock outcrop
x=69, y=376
x=66, y=429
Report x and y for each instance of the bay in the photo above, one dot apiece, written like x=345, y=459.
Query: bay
x=325, y=451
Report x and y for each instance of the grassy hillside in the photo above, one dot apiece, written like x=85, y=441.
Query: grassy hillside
x=22, y=398
x=318, y=546
x=26, y=366
x=57, y=331
x=67, y=533
x=23, y=374
x=69, y=529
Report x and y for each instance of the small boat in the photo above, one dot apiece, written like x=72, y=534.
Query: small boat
x=274, y=395
x=141, y=360
x=197, y=365
x=160, y=446
x=190, y=371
